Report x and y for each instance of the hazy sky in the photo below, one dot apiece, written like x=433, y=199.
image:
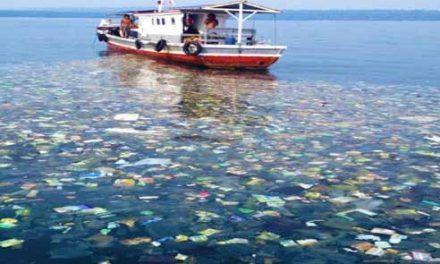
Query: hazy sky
x=284, y=4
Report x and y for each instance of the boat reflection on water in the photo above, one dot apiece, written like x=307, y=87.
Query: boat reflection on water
x=196, y=93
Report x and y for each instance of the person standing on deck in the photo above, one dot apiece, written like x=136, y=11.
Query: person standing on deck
x=126, y=25
x=211, y=22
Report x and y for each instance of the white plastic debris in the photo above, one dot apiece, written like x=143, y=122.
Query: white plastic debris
x=126, y=117
x=149, y=162
x=397, y=238
x=368, y=237
x=307, y=242
x=383, y=231
x=382, y=244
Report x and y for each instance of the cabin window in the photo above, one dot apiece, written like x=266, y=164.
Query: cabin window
x=152, y=21
x=158, y=21
x=163, y=21
x=173, y=21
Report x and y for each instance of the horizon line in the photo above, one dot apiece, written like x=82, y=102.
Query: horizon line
x=146, y=7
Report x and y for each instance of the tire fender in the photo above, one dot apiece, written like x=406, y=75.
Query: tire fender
x=138, y=44
x=192, y=48
x=102, y=37
x=160, y=45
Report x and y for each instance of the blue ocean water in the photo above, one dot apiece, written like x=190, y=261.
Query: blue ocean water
x=370, y=51
x=332, y=156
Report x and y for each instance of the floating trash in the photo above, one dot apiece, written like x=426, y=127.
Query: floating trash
x=126, y=117
x=181, y=257
x=14, y=243
x=103, y=163
x=124, y=183
x=136, y=241
x=7, y=223
x=307, y=242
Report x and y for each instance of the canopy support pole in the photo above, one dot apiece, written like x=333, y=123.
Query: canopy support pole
x=251, y=15
x=240, y=23
x=232, y=15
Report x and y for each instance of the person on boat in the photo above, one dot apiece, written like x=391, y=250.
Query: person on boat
x=189, y=28
x=126, y=26
x=211, y=22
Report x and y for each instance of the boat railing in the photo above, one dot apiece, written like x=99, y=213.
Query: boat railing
x=228, y=36
x=231, y=31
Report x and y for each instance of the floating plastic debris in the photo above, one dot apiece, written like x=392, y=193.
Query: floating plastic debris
x=124, y=183
x=234, y=241
x=209, y=232
x=7, y=223
x=268, y=236
x=126, y=117
x=376, y=251
x=368, y=237
x=288, y=243
x=173, y=167
x=136, y=241
x=11, y=243
x=307, y=242
x=149, y=162
x=199, y=239
x=181, y=257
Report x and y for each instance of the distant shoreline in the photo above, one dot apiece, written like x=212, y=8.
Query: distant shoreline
x=290, y=15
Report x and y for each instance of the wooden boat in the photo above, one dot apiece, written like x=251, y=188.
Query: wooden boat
x=184, y=36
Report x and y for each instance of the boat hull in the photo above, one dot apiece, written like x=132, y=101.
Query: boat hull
x=212, y=56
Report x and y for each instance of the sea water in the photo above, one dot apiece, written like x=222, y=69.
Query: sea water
x=329, y=157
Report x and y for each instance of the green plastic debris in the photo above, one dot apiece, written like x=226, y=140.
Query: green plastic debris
x=8, y=223
x=288, y=243
x=147, y=213
x=199, y=239
x=268, y=236
x=11, y=243
x=233, y=241
x=272, y=201
x=246, y=210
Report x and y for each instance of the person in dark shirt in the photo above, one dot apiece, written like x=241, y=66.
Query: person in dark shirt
x=189, y=25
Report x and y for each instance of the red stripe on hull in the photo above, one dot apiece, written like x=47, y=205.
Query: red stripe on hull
x=243, y=62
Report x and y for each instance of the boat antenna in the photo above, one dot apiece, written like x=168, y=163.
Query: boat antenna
x=160, y=4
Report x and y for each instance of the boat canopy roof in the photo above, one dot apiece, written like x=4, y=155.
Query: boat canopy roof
x=234, y=7
x=228, y=7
